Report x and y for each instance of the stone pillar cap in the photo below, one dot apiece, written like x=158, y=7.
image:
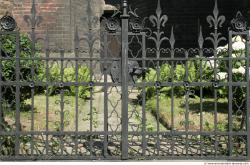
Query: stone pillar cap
x=108, y=7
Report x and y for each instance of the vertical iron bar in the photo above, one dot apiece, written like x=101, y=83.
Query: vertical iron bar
x=33, y=42
x=105, y=94
x=187, y=102
x=201, y=104
x=144, y=120
x=248, y=94
x=1, y=100
x=215, y=102
x=62, y=100
x=158, y=109
x=32, y=117
x=47, y=91
x=230, y=95
x=76, y=40
x=90, y=15
x=172, y=43
x=124, y=18
x=32, y=95
x=91, y=101
x=18, y=124
x=201, y=43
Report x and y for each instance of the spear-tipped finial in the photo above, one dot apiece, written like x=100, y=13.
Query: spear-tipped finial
x=125, y=8
x=158, y=10
x=200, y=38
x=172, y=38
x=33, y=7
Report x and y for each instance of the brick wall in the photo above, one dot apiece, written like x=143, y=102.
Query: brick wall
x=59, y=17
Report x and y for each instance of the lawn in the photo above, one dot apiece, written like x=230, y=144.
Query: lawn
x=190, y=112
x=54, y=113
x=56, y=116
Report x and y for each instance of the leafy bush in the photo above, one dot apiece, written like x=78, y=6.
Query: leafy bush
x=180, y=75
x=238, y=71
x=69, y=75
x=8, y=48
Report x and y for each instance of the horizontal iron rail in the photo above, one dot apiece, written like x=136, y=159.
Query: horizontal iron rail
x=111, y=84
x=169, y=133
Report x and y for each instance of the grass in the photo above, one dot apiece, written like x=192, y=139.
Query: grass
x=190, y=112
x=54, y=113
x=180, y=114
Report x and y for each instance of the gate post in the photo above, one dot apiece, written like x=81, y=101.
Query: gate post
x=124, y=83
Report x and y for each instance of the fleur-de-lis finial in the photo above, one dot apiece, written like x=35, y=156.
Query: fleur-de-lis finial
x=33, y=19
x=216, y=21
x=158, y=21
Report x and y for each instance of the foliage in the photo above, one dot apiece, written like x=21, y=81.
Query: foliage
x=238, y=73
x=69, y=75
x=165, y=75
x=190, y=71
x=9, y=65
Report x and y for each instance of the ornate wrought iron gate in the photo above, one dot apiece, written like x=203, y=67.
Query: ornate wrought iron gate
x=146, y=100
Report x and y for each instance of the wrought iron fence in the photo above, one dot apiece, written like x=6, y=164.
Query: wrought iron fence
x=145, y=100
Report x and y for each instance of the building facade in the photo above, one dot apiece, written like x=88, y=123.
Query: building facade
x=61, y=17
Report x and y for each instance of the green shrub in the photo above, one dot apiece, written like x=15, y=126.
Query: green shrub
x=8, y=46
x=180, y=75
x=69, y=75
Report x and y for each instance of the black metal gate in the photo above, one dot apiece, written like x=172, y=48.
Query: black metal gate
x=135, y=97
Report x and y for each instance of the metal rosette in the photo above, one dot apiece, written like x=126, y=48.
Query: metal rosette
x=8, y=23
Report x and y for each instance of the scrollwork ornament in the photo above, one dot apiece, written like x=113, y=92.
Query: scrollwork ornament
x=239, y=23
